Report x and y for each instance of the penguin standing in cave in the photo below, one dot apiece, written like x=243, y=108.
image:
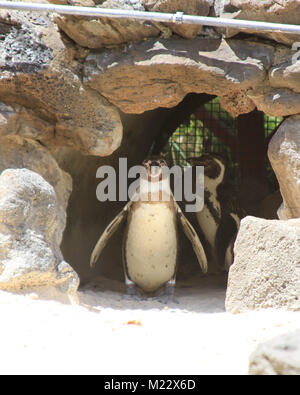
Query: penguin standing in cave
x=219, y=219
x=150, y=242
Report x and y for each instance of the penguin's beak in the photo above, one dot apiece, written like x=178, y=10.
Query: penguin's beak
x=155, y=169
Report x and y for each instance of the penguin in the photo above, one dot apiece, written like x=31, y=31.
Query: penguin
x=219, y=220
x=150, y=241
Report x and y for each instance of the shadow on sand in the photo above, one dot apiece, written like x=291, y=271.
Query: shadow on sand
x=197, y=294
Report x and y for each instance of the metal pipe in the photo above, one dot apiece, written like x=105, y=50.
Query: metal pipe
x=178, y=18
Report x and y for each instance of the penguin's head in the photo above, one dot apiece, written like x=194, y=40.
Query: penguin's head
x=155, y=169
x=214, y=167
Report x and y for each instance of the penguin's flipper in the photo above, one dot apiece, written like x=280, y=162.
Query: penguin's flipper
x=108, y=232
x=191, y=234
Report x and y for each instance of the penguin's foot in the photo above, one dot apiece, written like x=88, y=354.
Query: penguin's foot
x=168, y=296
x=132, y=294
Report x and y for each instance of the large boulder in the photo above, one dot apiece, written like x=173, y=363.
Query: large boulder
x=33, y=203
x=284, y=155
x=41, y=70
x=17, y=153
x=266, y=268
x=159, y=73
x=30, y=232
x=279, y=356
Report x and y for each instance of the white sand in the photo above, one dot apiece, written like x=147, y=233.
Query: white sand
x=194, y=337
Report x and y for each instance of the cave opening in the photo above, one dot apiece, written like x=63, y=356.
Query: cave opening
x=195, y=126
x=241, y=141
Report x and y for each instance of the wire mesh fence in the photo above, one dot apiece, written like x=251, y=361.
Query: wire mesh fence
x=211, y=129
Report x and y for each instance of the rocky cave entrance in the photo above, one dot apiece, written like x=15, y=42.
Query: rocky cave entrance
x=88, y=103
x=243, y=140
x=77, y=93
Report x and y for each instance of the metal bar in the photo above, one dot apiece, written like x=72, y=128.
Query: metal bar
x=179, y=17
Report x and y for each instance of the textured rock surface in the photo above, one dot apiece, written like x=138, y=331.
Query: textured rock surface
x=189, y=7
x=279, y=356
x=30, y=234
x=20, y=153
x=160, y=73
x=282, y=96
x=286, y=75
x=95, y=33
x=266, y=268
x=276, y=102
x=280, y=11
x=17, y=152
x=101, y=32
x=284, y=155
x=41, y=71
x=18, y=121
x=44, y=99
x=46, y=78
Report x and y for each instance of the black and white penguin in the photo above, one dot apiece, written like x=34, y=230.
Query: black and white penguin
x=150, y=242
x=219, y=219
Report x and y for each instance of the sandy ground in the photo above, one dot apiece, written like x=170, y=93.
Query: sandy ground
x=196, y=336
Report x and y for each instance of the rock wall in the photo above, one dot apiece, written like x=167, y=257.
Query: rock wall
x=284, y=154
x=266, y=268
x=34, y=198
x=83, y=92
x=30, y=234
x=158, y=70
x=40, y=72
x=66, y=79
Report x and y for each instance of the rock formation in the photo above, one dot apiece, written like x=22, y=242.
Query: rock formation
x=266, y=268
x=284, y=154
x=39, y=71
x=70, y=85
x=30, y=233
x=162, y=72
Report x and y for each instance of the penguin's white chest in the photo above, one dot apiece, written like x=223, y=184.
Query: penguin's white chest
x=151, y=245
